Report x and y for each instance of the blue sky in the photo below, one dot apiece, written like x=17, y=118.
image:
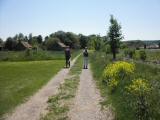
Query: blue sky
x=140, y=19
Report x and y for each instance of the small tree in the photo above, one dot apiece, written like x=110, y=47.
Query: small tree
x=114, y=35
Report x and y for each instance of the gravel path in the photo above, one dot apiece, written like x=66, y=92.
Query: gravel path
x=32, y=109
x=86, y=105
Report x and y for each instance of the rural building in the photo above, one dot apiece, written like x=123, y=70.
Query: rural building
x=59, y=46
x=153, y=46
x=23, y=46
x=1, y=47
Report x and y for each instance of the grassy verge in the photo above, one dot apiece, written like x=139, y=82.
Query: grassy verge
x=19, y=80
x=59, y=103
x=33, y=55
x=119, y=100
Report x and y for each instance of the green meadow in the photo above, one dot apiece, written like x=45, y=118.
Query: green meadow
x=19, y=80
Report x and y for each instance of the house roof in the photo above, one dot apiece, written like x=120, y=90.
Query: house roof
x=61, y=44
x=26, y=44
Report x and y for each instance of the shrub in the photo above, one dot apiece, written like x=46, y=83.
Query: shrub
x=114, y=73
x=140, y=89
x=129, y=52
x=142, y=55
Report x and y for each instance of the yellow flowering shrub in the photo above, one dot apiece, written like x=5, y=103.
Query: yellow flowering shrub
x=139, y=87
x=115, y=72
x=113, y=84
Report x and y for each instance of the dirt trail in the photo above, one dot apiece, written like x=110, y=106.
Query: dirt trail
x=32, y=109
x=86, y=105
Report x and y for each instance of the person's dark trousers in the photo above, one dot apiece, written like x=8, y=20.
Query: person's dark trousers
x=67, y=62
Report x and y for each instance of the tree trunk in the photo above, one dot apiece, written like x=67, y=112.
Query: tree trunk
x=114, y=54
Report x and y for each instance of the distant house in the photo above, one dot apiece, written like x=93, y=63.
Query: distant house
x=153, y=46
x=23, y=46
x=62, y=45
x=58, y=46
x=1, y=47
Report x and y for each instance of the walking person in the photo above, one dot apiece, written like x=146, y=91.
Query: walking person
x=67, y=56
x=85, y=58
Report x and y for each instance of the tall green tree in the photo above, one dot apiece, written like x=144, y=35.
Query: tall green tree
x=30, y=38
x=10, y=44
x=114, y=35
x=39, y=39
x=83, y=41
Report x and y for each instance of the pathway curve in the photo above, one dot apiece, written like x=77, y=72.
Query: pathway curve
x=86, y=105
x=32, y=109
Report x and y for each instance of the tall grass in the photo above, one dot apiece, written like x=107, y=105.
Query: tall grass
x=119, y=99
x=31, y=55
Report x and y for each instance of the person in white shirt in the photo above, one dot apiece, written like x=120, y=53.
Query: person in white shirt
x=85, y=58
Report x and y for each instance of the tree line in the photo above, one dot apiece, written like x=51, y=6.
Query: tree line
x=73, y=40
x=108, y=43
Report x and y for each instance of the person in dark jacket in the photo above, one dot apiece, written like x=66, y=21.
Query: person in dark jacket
x=67, y=56
x=85, y=58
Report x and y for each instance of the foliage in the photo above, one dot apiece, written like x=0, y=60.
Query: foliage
x=142, y=55
x=140, y=89
x=153, y=55
x=10, y=44
x=114, y=35
x=129, y=53
x=68, y=38
x=125, y=104
x=116, y=72
x=52, y=44
x=83, y=41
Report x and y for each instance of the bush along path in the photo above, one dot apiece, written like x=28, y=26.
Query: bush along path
x=59, y=104
x=86, y=104
x=32, y=109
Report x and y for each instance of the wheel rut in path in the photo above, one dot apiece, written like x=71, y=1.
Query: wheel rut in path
x=32, y=109
x=86, y=104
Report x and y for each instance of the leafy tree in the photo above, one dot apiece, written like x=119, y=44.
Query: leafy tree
x=39, y=39
x=21, y=37
x=114, y=36
x=83, y=41
x=90, y=41
x=73, y=41
x=30, y=38
x=61, y=35
x=159, y=45
x=10, y=44
x=51, y=43
x=97, y=43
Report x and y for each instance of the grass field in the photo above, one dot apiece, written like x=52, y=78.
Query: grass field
x=21, y=79
x=153, y=55
x=119, y=100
